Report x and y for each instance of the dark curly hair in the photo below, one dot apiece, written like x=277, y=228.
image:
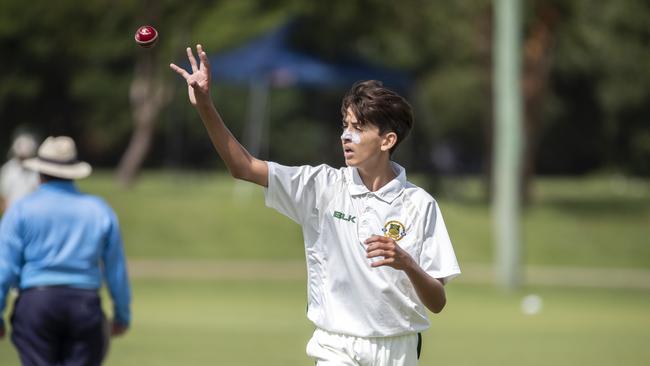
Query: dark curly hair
x=372, y=103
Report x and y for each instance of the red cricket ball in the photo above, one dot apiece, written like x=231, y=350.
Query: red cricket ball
x=146, y=36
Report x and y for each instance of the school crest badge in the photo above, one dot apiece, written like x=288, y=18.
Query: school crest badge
x=394, y=230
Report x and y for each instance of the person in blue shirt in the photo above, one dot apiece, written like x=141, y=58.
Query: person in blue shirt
x=57, y=247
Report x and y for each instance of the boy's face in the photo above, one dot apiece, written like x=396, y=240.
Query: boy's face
x=362, y=143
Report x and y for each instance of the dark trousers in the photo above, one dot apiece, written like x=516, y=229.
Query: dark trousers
x=59, y=326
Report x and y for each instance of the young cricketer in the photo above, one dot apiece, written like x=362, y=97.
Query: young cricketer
x=378, y=253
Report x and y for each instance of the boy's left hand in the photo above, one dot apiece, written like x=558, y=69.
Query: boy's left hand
x=394, y=255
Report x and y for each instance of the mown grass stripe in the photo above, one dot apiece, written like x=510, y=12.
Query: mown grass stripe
x=473, y=273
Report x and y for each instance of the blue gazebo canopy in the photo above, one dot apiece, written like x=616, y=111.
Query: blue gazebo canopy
x=271, y=58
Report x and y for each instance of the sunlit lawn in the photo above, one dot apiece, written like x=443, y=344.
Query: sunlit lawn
x=591, y=222
x=596, y=222
x=264, y=323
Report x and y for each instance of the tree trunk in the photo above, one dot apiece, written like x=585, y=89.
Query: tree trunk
x=148, y=95
x=536, y=68
x=484, y=44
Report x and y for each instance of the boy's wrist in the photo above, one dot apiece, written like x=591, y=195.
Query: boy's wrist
x=411, y=267
x=204, y=104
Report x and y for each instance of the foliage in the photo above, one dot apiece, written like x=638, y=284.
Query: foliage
x=64, y=68
x=602, y=52
x=67, y=66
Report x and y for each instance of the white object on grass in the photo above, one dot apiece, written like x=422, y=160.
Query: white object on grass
x=531, y=304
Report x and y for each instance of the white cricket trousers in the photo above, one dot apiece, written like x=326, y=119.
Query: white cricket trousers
x=329, y=349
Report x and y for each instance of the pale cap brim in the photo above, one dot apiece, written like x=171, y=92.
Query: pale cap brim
x=78, y=170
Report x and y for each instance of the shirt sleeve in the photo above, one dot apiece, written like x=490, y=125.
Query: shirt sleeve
x=295, y=191
x=115, y=273
x=437, y=257
x=11, y=249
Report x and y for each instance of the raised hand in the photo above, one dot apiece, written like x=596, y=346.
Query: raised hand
x=198, y=82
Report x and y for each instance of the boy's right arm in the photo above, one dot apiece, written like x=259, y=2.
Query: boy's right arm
x=240, y=163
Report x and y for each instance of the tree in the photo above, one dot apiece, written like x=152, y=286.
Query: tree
x=602, y=53
x=70, y=68
x=152, y=84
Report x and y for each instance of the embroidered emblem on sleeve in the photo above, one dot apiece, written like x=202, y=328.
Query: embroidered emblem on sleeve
x=394, y=230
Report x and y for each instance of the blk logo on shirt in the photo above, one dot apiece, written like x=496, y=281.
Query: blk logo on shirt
x=341, y=216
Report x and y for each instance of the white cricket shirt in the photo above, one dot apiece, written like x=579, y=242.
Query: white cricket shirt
x=338, y=213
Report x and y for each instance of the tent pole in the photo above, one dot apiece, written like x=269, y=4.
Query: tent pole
x=508, y=141
x=257, y=115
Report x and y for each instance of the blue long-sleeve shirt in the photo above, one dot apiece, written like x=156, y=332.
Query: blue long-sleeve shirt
x=60, y=236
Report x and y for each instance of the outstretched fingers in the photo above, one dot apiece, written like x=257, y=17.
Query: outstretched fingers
x=190, y=56
x=198, y=78
x=205, y=63
x=180, y=71
x=192, y=60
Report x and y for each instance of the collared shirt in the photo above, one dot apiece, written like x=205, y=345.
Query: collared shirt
x=338, y=213
x=16, y=181
x=60, y=236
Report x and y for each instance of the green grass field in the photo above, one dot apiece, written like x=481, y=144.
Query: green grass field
x=264, y=323
x=590, y=222
x=593, y=223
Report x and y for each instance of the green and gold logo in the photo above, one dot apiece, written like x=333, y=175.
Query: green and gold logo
x=341, y=216
x=394, y=230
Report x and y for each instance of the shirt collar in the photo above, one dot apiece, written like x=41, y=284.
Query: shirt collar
x=59, y=185
x=387, y=193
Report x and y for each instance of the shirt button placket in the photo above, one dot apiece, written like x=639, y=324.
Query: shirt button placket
x=364, y=223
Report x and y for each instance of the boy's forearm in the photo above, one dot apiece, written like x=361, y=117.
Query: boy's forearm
x=430, y=290
x=239, y=162
x=237, y=159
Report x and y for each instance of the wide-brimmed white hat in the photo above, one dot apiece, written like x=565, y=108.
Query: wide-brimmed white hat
x=57, y=157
